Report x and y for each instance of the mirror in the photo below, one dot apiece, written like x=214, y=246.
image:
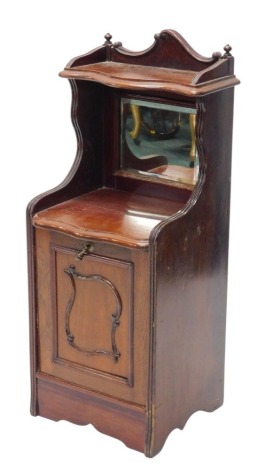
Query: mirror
x=158, y=141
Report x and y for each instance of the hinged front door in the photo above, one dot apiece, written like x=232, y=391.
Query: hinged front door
x=93, y=315
x=93, y=319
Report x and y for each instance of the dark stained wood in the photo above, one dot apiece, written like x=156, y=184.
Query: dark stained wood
x=169, y=65
x=141, y=78
x=109, y=215
x=178, y=179
x=146, y=186
x=58, y=400
x=127, y=276
x=169, y=49
x=126, y=269
x=189, y=295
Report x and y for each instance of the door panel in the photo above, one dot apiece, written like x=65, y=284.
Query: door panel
x=93, y=313
x=93, y=316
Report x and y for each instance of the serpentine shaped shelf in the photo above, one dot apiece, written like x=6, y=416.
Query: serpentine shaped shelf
x=108, y=65
x=109, y=215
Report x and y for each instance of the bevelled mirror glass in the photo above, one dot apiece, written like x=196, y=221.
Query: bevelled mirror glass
x=158, y=141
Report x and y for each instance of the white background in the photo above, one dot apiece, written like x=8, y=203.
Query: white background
x=37, y=148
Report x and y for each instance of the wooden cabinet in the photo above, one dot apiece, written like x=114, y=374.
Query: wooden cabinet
x=128, y=256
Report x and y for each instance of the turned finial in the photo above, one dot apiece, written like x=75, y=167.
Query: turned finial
x=216, y=55
x=227, y=50
x=108, y=38
x=159, y=36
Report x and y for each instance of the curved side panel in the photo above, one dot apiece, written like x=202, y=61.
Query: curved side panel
x=222, y=68
x=85, y=173
x=83, y=177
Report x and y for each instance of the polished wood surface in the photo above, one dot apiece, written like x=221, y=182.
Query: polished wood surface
x=109, y=215
x=169, y=49
x=169, y=65
x=175, y=172
x=137, y=77
x=91, y=316
x=127, y=72
x=125, y=421
x=190, y=290
x=128, y=276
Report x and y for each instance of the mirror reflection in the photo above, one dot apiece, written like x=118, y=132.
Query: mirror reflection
x=158, y=140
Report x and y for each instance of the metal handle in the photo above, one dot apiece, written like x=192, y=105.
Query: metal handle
x=88, y=248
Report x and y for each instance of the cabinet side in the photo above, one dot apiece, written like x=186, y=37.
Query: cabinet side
x=84, y=176
x=190, y=260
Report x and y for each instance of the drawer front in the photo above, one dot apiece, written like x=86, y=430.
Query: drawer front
x=90, y=327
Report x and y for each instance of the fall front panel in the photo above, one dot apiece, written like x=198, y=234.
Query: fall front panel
x=92, y=313
x=86, y=324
